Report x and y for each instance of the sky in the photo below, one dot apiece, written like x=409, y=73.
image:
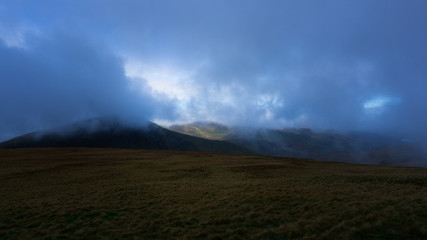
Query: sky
x=330, y=64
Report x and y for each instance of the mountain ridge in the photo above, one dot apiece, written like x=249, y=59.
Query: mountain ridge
x=112, y=133
x=351, y=147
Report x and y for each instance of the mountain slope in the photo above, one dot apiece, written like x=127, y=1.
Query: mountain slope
x=111, y=133
x=208, y=130
x=353, y=147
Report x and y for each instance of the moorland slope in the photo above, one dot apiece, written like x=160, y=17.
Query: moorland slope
x=144, y=194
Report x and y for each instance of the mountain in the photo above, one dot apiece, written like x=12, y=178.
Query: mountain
x=112, y=133
x=352, y=147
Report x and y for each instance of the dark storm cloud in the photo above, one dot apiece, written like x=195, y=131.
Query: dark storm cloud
x=61, y=79
x=322, y=64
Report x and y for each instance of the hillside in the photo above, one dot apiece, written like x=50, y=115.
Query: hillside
x=144, y=194
x=111, y=133
x=351, y=147
x=208, y=130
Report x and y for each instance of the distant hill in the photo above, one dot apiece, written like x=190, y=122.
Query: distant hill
x=111, y=133
x=208, y=130
x=353, y=147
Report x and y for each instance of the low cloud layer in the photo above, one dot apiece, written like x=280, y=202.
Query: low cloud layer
x=61, y=79
x=346, y=65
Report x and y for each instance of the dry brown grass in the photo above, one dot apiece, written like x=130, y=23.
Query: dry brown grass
x=137, y=194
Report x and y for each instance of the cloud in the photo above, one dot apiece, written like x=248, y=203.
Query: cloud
x=380, y=102
x=61, y=79
x=321, y=61
x=265, y=63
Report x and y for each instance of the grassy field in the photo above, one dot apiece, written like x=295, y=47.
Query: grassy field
x=137, y=194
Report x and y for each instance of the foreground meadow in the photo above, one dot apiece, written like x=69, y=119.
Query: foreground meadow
x=139, y=194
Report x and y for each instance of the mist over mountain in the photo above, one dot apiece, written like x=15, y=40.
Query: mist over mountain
x=273, y=66
x=113, y=133
x=352, y=147
x=110, y=132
